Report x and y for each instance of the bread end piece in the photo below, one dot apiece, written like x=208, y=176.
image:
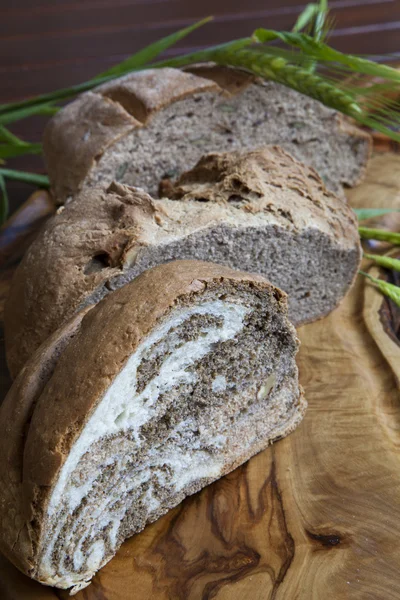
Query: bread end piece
x=148, y=403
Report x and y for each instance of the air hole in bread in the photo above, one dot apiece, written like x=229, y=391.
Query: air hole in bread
x=237, y=184
x=235, y=198
x=97, y=263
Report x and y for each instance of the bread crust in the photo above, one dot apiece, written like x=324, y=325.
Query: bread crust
x=81, y=132
x=59, y=388
x=63, y=268
x=359, y=136
x=15, y=414
x=78, y=135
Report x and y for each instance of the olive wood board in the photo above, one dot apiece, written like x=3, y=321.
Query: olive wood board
x=314, y=517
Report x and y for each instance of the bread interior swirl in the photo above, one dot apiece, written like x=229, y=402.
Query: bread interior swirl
x=210, y=374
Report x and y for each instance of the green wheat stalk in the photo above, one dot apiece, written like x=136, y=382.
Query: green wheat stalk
x=382, y=235
x=24, y=176
x=387, y=262
x=277, y=69
x=388, y=289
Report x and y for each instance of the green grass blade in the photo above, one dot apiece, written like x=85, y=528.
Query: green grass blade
x=389, y=289
x=3, y=200
x=361, y=65
x=376, y=89
x=7, y=136
x=34, y=178
x=150, y=53
x=22, y=113
x=373, y=123
x=42, y=104
x=321, y=25
x=12, y=150
x=202, y=55
x=314, y=19
x=387, y=262
x=383, y=235
x=368, y=213
x=306, y=17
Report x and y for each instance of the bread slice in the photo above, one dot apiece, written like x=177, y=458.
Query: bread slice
x=166, y=385
x=155, y=124
x=259, y=211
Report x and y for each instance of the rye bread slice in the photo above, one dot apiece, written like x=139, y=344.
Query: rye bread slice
x=156, y=124
x=258, y=211
x=125, y=412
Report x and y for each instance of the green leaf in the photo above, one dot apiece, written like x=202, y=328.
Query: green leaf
x=10, y=150
x=368, y=213
x=386, y=262
x=389, y=289
x=306, y=17
x=28, y=111
x=148, y=54
x=7, y=136
x=375, y=123
x=379, y=234
x=320, y=26
x=314, y=19
x=34, y=178
x=202, y=55
x=3, y=200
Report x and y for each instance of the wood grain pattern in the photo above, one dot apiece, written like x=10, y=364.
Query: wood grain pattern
x=315, y=516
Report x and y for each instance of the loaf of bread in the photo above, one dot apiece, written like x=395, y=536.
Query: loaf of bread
x=124, y=412
x=155, y=124
x=261, y=212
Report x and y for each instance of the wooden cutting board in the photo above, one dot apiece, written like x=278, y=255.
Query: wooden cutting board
x=314, y=517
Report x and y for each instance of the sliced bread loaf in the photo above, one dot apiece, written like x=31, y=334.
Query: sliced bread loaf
x=121, y=415
x=260, y=212
x=155, y=124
